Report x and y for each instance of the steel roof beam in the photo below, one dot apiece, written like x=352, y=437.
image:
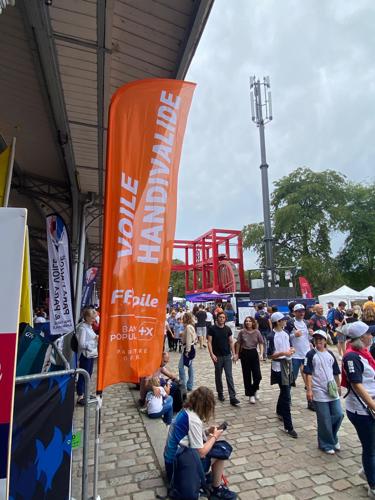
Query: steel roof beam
x=38, y=21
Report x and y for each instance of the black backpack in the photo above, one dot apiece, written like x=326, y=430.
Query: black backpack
x=188, y=475
x=263, y=322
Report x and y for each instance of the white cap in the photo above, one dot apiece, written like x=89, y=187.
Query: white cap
x=322, y=333
x=277, y=316
x=357, y=329
x=298, y=307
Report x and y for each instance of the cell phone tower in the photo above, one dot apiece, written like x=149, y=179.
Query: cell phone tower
x=261, y=113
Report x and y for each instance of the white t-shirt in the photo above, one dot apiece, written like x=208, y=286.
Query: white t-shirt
x=155, y=404
x=281, y=344
x=323, y=367
x=195, y=437
x=300, y=344
x=210, y=318
x=358, y=370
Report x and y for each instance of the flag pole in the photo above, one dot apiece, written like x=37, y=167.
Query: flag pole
x=10, y=172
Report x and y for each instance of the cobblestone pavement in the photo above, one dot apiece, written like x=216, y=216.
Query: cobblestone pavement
x=265, y=463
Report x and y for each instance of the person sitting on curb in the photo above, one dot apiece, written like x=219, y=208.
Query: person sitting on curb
x=187, y=430
x=162, y=405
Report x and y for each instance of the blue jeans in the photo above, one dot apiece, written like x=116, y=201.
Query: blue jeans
x=182, y=375
x=296, y=363
x=88, y=365
x=365, y=427
x=329, y=416
x=166, y=412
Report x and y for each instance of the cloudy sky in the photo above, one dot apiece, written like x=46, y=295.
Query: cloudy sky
x=320, y=57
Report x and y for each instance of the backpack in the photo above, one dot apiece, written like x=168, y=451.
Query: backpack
x=188, y=475
x=178, y=391
x=263, y=322
x=331, y=317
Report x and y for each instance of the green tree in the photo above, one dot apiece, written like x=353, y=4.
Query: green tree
x=306, y=206
x=177, y=280
x=357, y=258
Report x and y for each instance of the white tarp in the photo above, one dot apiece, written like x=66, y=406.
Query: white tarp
x=60, y=294
x=344, y=293
x=370, y=290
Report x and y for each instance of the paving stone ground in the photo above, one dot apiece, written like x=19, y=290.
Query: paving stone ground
x=265, y=463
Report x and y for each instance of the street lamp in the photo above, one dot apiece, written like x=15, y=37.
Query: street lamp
x=261, y=113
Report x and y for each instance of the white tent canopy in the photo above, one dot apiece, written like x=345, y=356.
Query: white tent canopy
x=344, y=293
x=370, y=290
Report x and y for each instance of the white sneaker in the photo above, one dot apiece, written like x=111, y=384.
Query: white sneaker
x=252, y=400
x=329, y=452
x=338, y=447
x=257, y=396
x=361, y=474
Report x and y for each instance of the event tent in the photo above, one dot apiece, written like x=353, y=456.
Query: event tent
x=343, y=293
x=370, y=290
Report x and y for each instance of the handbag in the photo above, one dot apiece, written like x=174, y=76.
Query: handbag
x=331, y=384
x=188, y=357
x=221, y=450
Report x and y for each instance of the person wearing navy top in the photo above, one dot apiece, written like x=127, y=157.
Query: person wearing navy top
x=323, y=389
x=359, y=378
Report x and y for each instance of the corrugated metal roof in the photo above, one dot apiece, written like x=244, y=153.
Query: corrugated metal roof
x=95, y=46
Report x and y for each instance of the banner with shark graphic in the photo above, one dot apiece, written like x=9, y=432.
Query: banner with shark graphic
x=60, y=291
x=42, y=439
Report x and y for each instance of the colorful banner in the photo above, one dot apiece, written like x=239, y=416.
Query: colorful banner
x=305, y=287
x=42, y=439
x=12, y=229
x=88, y=286
x=147, y=122
x=60, y=292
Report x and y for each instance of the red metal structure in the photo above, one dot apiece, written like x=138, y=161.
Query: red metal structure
x=213, y=262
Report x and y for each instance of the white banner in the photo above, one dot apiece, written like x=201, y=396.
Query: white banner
x=60, y=296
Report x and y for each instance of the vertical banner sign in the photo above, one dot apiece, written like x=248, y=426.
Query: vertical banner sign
x=147, y=122
x=305, y=287
x=60, y=294
x=88, y=286
x=12, y=229
x=42, y=439
x=26, y=308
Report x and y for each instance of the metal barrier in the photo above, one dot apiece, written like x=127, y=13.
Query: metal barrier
x=79, y=371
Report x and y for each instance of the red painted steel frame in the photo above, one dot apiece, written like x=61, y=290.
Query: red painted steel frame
x=203, y=256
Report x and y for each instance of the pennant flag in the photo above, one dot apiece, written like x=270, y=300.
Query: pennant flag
x=305, y=287
x=60, y=292
x=147, y=122
x=12, y=229
x=88, y=286
x=26, y=308
x=42, y=439
x=4, y=167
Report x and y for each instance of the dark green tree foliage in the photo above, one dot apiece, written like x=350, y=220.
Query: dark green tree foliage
x=306, y=207
x=177, y=281
x=357, y=258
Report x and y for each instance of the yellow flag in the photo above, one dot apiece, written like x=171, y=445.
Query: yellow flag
x=4, y=165
x=26, y=307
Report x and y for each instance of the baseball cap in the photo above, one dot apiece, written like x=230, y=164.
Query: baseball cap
x=322, y=333
x=357, y=329
x=298, y=307
x=277, y=316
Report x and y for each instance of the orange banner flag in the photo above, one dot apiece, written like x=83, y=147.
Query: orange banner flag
x=147, y=121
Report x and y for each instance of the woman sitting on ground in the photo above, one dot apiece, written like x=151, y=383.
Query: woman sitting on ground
x=188, y=430
x=160, y=405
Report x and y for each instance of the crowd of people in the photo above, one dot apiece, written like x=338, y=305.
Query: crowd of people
x=297, y=344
